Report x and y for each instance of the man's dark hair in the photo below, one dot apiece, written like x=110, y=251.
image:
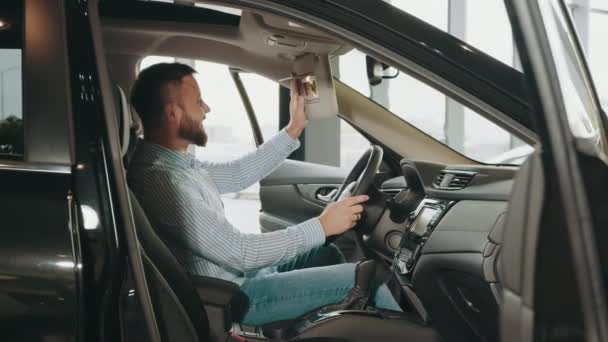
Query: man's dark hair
x=146, y=94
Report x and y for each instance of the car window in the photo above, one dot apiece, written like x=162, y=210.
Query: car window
x=600, y=4
x=11, y=75
x=229, y=129
x=598, y=50
x=430, y=111
x=352, y=145
x=230, y=134
x=264, y=96
x=581, y=106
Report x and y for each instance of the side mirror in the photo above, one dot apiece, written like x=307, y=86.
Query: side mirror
x=377, y=71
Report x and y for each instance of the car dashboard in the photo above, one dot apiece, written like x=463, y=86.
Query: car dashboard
x=446, y=257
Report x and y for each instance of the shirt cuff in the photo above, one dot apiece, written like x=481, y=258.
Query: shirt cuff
x=285, y=143
x=314, y=235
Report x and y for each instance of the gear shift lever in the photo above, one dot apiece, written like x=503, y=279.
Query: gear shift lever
x=358, y=296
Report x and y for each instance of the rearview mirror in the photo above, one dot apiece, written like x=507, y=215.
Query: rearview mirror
x=377, y=71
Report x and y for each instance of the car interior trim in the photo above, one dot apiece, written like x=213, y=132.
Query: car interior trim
x=47, y=104
x=403, y=63
x=29, y=167
x=173, y=43
x=123, y=204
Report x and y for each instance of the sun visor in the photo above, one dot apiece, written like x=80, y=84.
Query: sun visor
x=313, y=77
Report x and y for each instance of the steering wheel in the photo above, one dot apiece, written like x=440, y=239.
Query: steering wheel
x=360, y=181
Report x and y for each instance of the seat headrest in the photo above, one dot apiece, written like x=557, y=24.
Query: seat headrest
x=124, y=120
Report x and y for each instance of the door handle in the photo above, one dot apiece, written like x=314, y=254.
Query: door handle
x=328, y=196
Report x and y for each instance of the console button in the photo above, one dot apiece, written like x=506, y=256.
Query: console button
x=405, y=254
x=394, y=239
x=409, y=264
x=400, y=266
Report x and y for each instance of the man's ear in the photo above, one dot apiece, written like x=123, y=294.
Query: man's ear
x=172, y=112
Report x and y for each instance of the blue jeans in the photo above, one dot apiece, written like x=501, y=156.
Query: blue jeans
x=304, y=283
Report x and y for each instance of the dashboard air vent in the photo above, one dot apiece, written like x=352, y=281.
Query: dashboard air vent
x=452, y=180
x=392, y=191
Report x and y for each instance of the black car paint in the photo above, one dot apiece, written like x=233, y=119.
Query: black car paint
x=58, y=280
x=38, y=282
x=39, y=248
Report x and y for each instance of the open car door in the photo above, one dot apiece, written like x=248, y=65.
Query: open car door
x=555, y=229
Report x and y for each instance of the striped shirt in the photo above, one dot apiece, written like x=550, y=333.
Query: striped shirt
x=181, y=197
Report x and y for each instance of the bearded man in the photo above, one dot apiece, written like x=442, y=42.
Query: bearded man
x=284, y=273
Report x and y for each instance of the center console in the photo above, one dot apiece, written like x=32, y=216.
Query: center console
x=418, y=227
x=353, y=321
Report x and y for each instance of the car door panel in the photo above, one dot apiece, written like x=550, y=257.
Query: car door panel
x=289, y=194
x=38, y=256
x=318, y=194
x=297, y=172
x=572, y=205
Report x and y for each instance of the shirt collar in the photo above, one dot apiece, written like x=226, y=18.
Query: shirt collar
x=149, y=151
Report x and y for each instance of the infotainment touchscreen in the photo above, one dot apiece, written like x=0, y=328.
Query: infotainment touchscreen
x=420, y=225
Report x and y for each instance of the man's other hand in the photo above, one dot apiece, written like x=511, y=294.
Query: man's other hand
x=343, y=215
x=298, y=120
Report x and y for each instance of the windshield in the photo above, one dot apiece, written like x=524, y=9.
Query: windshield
x=486, y=27
x=434, y=113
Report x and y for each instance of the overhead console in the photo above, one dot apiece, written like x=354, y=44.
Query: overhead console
x=289, y=36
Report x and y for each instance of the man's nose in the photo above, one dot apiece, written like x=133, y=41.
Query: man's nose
x=206, y=108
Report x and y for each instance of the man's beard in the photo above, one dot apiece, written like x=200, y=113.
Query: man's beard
x=192, y=131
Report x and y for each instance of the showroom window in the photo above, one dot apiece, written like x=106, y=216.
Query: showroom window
x=481, y=23
x=11, y=76
x=264, y=96
x=352, y=145
x=591, y=20
x=598, y=52
x=583, y=114
x=432, y=12
x=599, y=4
